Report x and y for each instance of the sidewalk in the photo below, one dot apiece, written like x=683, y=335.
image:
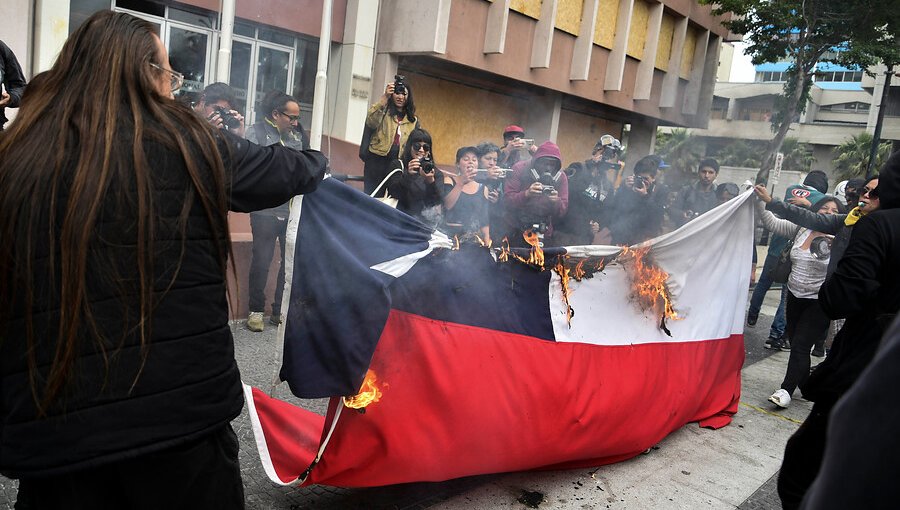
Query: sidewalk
x=692, y=468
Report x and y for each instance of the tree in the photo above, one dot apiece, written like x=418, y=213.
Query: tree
x=797, y=156
x=858, y=32
x=740, y=153
x=852, y=156
x=680, y=150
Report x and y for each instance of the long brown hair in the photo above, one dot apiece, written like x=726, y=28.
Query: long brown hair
x=79, y=139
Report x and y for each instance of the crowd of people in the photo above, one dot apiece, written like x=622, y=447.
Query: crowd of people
x=497, y=192
x=116, y=356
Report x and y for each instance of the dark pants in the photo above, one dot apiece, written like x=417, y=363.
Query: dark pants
x=759, y=294
x=266, y=230
x=803, y=457
x=200, y=474
x=376, y=169
x=807, y=325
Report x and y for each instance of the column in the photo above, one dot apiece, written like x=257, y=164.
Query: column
x=350, y=73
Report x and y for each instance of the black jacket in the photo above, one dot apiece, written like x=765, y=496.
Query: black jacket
x=12, y=79
x=265, y=134
x=635, y=218
x=864, y=289
x=189, y=384
x=589, y=195
x=862, y=436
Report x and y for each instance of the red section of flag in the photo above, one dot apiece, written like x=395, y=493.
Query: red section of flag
x=461, y=400
x=291, y=435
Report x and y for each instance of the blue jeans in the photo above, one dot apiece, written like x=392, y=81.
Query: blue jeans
x=759, y=294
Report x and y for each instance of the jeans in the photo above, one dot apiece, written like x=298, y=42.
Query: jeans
x=807, y=325
x=266, y=230
x=759, y=294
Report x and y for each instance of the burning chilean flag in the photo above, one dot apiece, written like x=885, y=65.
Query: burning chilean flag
x=459, y=364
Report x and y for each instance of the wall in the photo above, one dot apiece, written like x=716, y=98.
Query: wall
x=458, y=115
x=579, y=132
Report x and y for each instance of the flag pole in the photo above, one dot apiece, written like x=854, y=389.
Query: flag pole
x=318, y=113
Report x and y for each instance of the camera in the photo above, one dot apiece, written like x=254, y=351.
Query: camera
x=426, y=164
x=399, y=84
x=641, y=182
x=228, y=120
x=609, y=147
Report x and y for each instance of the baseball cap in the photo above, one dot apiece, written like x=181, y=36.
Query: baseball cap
x=513, y=129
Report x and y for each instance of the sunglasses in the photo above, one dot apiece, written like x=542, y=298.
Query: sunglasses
x=873, y=192
x=421, y=146
x=292, y=118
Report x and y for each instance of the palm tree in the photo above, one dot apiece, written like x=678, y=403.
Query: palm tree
x=681, y=150
x=852, y=156
x=797, y=156
x=742, y=154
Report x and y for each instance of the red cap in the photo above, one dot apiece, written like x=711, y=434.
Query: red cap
x=513, y=129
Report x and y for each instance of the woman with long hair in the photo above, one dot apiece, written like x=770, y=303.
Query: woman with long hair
x=416, y=188
x=116, y=355
x=806, y=321
x=390, y=120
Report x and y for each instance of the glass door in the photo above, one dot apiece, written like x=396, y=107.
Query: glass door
x=273, y=72
x=189, y=54
x=240, y=76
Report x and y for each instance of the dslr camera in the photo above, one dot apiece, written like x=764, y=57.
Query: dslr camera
x=609, y=147
x=641, y=182
x=399, y=84
x=426, y=164
x=228, y=120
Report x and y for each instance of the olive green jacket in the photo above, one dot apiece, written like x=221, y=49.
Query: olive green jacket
x=384, y=128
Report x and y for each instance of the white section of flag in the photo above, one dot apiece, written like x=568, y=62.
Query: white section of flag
x=709, y=263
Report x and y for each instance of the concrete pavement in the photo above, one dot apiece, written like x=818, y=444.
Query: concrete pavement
x=692, y=468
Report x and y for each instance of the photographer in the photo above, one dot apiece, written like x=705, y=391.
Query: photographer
x=216, y=104
x=699, y=197
x=636, y=211
x=466, y=200
x=536, y=195
x=388, y=125
x=416, y=190
x=516, y=147
x=11, y=79
x=494, y=178
x=589, y=189
x=280, y=126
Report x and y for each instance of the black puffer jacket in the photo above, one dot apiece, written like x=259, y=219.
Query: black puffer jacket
x=189, y=384
x=864, y=289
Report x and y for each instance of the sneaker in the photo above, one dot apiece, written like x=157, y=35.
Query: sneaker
x=771, y=340
x=255, y=322
x=819, y=352
x=781, y=398
x=779, y=344
x=751, y=320
x=275, y=319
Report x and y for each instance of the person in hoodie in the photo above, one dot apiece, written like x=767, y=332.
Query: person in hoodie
x=536, y=195
x=865, y=290
x=812, y=190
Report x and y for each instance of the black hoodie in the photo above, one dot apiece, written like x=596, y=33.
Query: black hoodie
x=817, y=179
x=864, y=289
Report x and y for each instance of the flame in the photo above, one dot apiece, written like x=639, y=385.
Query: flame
x=504, y=250
x=537, y=254
x=649, y=286
x=579, y=270
x=455, y=243
x=564, y=277
x=369, y=393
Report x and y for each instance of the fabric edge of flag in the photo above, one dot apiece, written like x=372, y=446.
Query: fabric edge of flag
x=259, y=436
